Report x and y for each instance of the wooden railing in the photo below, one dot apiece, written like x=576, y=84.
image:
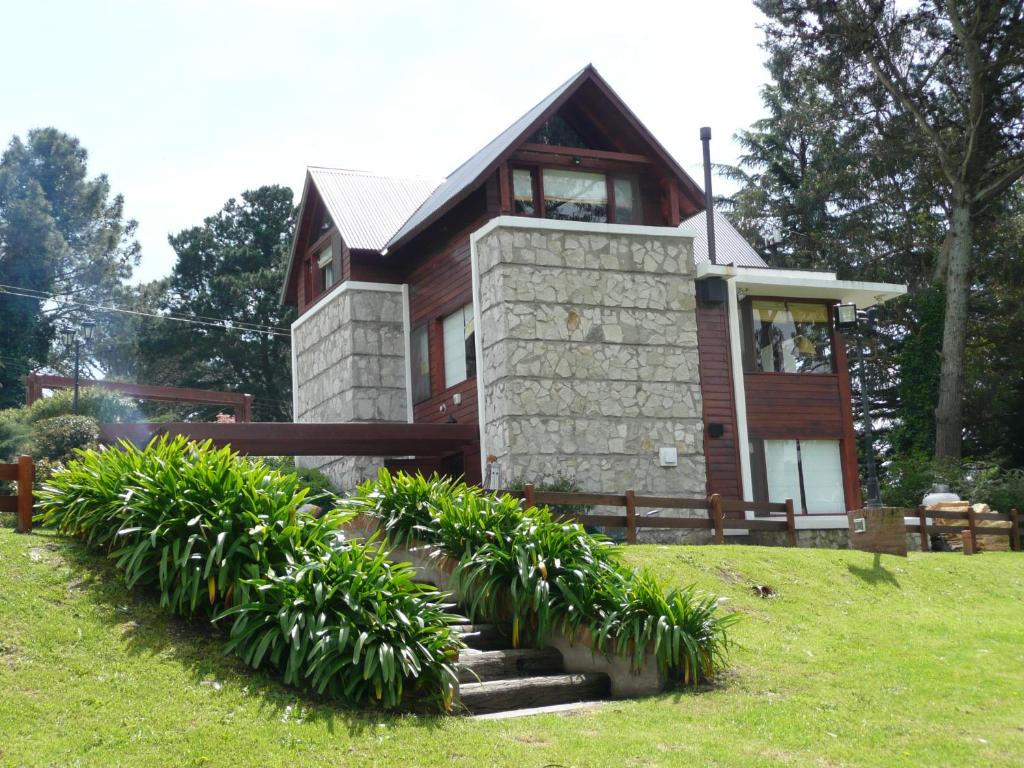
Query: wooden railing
x=714, y=506
x=973, y=530
x=23, y=473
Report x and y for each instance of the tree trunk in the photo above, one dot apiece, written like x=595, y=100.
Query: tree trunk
x=949, y=411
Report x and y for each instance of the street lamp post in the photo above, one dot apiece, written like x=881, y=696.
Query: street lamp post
x=848, y=317
x=70, y=336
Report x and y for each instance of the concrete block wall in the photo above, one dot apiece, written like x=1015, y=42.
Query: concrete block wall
x=589, y=357
x=348, y=364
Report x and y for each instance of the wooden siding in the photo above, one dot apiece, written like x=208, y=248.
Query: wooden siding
x=716, y=384
x=788, y=406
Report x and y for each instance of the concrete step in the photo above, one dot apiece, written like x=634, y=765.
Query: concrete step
x=524, y=692
x=479, y=666
x=485, y=637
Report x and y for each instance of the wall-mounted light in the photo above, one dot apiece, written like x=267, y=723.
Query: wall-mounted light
x=846, y=316
x=577, y=160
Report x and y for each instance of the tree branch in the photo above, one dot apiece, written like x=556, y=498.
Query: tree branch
x=1000, y=185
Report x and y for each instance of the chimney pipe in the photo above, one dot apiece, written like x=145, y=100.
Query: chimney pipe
x=709, y=213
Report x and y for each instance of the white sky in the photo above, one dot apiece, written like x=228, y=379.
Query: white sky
x=185, y=104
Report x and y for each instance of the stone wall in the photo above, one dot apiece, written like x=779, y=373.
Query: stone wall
x=589, y=358
x=349, y=365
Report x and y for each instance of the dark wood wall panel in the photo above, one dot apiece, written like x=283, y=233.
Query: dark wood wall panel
x=783, y=406
x=721, y=453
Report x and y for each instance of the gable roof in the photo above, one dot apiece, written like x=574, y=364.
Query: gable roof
x=365, y=207
x=730, y=246
x=471, y=173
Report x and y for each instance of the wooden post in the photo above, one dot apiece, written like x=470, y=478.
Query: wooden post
x=922, y=516
x=790, y=523
x=246, y=414
x=631, y=517
x=1014, y=530
x=528, y=496
x=715, y=512
x=26, y=477
x=972, y=527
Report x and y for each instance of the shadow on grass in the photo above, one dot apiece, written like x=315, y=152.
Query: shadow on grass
x=876, y=574
x=149, y=631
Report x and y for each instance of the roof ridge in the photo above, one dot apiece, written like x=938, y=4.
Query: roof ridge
x=375, y=174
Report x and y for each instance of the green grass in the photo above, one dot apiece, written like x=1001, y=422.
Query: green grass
x=857, y=661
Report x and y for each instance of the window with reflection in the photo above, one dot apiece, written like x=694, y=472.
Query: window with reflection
x=575, y=195
x=522, y=192
x=787, y=337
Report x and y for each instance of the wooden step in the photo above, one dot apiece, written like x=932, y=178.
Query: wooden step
x=479, y=666
x=522, y=692
x=485, y=637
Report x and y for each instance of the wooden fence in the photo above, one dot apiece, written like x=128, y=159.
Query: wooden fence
x=715, y=508
x=23, y=473
x=972, y=518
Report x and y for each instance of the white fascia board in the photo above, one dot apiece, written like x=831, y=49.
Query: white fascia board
x=340, y=288
x=798, y=284
x=528, y=222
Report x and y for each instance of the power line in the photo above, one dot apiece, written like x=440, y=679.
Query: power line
x=67, y=300
x=265, y=330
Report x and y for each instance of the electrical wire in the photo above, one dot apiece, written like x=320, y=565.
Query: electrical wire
x=222, y=324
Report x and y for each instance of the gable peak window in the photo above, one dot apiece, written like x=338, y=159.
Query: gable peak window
x=325, y=263
x=557, y=132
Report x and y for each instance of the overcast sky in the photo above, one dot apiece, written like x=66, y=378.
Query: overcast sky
x=185, y=104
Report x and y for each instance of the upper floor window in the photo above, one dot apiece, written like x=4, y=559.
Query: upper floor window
x=419, y=362
x=787, y=337
x=325, y=262
x=570, y=195
x=459, y=346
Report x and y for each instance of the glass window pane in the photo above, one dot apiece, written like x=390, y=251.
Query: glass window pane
x=783, y=471
x=522, y=189
x=420, y=363
x=823, y=476
x=459, y=346
x=627, y=197
x=575, y=196
x=791, y=337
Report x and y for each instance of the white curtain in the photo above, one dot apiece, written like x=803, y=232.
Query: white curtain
x=823, y=476
x=783, y=471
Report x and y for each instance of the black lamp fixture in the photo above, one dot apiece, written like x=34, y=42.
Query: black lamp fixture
x=848, y=318
x=69, y=336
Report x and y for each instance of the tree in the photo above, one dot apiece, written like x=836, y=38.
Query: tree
x=63, y=236
x=228, y=273
x=949, y=73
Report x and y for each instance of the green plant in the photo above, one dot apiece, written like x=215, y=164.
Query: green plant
x=222, y=537
x=59, y=437
x=545, y=575
x=101, y=404
x=14, y=432
x=558, y=484
x=349, y=609
x=906, y=480
x=319, y=488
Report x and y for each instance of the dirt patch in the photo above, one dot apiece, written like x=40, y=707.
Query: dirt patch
x=9, y=656
x=533, y=740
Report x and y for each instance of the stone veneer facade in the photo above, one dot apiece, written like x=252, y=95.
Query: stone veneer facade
x=348, y=364
x=587, y=357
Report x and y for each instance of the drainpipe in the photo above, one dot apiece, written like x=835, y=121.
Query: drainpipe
x=709, y=210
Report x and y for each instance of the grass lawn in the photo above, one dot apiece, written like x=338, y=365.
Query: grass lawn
x=857, y=661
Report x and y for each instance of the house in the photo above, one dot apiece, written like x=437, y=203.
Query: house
x=556, y=290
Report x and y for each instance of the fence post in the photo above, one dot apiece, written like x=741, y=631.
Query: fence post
x=26, y=477
x=1014, y=530
x=790, y=523
x=972, y=527
x=922, y=516
x=246, y=409
x=528, y=496
x=631, y=517
x=715, y=513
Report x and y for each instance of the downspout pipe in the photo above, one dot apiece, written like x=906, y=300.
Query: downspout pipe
x=709, y=209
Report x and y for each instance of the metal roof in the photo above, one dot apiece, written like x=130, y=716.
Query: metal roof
x=368, y=208
x=464, y=176
x=730, y=247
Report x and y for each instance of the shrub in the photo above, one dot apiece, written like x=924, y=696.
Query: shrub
x=544, y=574
x=908, y=478
x=319, y=488
x=103, y=405
x=221, y=537
x=560, y=484
x=59, y=437
x=14, y=433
